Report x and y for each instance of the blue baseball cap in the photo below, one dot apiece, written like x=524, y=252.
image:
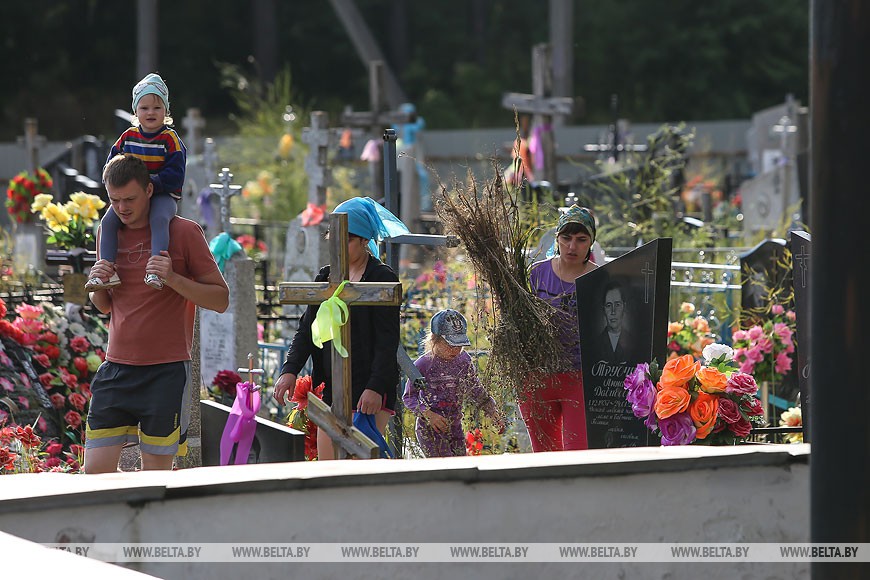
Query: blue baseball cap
x=451, y=326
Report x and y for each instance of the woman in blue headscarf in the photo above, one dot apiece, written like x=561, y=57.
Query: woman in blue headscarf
x=552, y=406
x=374, y=329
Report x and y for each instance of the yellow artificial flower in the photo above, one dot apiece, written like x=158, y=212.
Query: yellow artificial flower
x=40, y=201
x=56, y=217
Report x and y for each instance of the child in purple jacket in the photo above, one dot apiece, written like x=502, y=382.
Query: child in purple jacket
x=451, y=380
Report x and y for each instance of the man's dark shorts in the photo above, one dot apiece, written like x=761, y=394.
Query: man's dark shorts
x=148, y=404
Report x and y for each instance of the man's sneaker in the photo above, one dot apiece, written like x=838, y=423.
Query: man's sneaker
x=154, y=281
x=95, y=284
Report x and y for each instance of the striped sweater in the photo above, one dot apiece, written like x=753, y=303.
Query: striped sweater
x=163, y=153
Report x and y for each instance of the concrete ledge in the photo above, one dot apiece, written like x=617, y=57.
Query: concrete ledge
x=35, y=492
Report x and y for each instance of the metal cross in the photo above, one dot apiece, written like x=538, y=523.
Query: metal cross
x=225, y=190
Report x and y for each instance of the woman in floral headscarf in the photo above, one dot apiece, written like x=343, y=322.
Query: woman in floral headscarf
x=552, y=405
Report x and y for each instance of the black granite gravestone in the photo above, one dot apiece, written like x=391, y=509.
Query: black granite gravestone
x=623, y=312
x=273, y=443
x=801, y=247
x=765, y=274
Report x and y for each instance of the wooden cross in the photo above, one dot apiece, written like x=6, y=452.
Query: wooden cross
x=225, y=190
x=337, y=421
x=542, y=105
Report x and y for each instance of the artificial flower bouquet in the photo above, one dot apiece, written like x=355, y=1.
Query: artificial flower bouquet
x=298, y=417
x=766, y=350
x=689, y=402
x=23, y=189
x=689, y=336
x=70, y=225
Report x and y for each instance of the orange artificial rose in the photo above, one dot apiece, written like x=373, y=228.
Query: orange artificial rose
x=700, y=325
x=703, y=411
x=674, y=328
x=677, y=372
x=712, y=379
x=670, y=401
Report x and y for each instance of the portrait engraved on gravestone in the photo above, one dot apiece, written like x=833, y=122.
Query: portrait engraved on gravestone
x=622, y=309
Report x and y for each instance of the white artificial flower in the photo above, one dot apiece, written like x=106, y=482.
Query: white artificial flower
x=716, y=350
x=77, y=329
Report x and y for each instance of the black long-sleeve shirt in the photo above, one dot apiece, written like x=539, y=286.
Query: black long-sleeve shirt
x=374, y=340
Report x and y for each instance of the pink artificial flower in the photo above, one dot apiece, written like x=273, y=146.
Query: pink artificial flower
x=24, y=402
x=791, y=315
x=755, y=332
x=777, y=309
x=6, y=384
x=783, y=363
x=42, y=424
x=747, y=367
x=29, y=311
x=755, y=354
x=765, y=345
x=783, y=331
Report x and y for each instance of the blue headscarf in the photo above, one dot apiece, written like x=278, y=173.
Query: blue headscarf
x=368, y=219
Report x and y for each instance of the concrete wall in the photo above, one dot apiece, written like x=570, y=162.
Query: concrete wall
x=695, y=494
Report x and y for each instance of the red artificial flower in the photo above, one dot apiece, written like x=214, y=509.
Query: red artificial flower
x=227, y=381
x=54, y=448
x=80, y=344
x=73, y=419
x=52, y=352
x=27, y=437
x=43, y=361
x=2, y=308
x=46, y=378
x=52, y=462
x=7, y=459
x=57, y=401
x=49, y=337
x=78, y=401
x=77, y=450
x=474, y=442
x=81, y=365
x=301, y=390
x=68, y=379
x=10, y=330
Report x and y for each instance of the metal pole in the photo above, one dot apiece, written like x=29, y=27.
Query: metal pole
x=839, y=470
x=391, y=194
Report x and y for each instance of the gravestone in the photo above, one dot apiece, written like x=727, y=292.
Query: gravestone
x=801, y=247
x=765, y=277
x=227, y=338
x=273, y=442
x=622, y=303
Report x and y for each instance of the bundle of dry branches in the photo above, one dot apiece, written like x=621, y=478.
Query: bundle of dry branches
x=497, y=233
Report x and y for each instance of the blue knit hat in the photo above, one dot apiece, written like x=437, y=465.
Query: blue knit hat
x=152, y=84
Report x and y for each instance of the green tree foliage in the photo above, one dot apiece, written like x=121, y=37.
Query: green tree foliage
x=72, y=63
x=266, y=153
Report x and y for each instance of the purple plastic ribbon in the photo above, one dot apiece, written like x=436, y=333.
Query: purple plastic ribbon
x=241, y=424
